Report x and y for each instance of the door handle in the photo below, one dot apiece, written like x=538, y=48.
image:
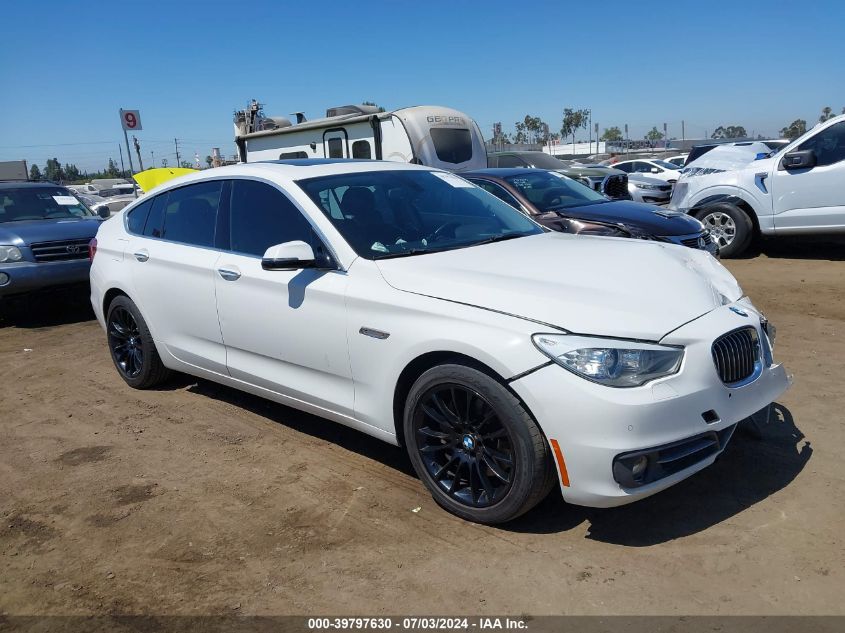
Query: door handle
x=229, y=274
x=142, y=255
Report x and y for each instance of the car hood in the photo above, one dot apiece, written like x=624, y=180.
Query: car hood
x=727, y=157
x=27, y=232
x=649, y=218
x=588, y=285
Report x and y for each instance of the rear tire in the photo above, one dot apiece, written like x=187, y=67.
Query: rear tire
x=475, y=446
x=730, y=227
x=131, y=345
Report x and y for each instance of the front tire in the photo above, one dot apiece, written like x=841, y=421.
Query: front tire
x=132, y=348
x=474, y=445
x=730, y=227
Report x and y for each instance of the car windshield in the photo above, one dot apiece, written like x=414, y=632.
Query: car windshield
x=384, y=214
x=40, y=203
x=548, y=191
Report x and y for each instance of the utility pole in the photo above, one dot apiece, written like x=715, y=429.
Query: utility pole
x=122, y=168
x=178, y=162
x=665, y=137
x=153, y=155
x=627, y=142
x=683, y=136
x=138, y=151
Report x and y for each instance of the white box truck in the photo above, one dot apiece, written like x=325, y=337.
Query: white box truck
x=427, y=135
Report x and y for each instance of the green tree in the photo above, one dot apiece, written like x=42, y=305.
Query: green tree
x=53, y=170
x=370, y=103
x=34, y=172
x=573, y=120
x=209, y=160
x=794, y=129
x=611, y=134
x=653, y=135
x=112, y=171
x=729, y=131
x=187, y=164
x=72, y=173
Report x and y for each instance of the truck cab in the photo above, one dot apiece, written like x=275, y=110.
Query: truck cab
x=799, y=189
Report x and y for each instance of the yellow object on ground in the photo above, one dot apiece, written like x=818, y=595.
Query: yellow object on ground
x=152, y=178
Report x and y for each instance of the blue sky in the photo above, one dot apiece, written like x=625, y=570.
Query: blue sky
x=67, y=67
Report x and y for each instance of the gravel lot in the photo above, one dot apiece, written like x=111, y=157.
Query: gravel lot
x=197, y=499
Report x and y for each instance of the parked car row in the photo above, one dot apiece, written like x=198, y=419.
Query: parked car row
x=412, y=304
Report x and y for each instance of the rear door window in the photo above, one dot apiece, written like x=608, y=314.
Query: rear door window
x=137, y=217
x=191, y=213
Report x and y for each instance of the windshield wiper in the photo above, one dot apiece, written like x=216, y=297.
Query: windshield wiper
x=408, y=253
x=497, y=238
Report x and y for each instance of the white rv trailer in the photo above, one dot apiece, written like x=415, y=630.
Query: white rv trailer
x=427, y=135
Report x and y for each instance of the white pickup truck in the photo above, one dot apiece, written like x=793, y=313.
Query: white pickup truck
x=799, y=189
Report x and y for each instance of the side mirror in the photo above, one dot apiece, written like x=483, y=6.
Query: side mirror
x=104, y=213
x=655, y=170
x=803, y=159
x=289, y=256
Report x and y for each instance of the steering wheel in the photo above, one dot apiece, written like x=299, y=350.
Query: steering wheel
x=550, y=196
x=440, y=231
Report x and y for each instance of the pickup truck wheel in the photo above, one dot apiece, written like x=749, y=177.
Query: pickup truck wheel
x=474, y=446
x=131, y=345
x=730, y=227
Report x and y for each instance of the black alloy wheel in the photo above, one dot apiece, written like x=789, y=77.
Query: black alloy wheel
x=131, y=345
x=475, y=445
x=464, y=446
x=125, y=342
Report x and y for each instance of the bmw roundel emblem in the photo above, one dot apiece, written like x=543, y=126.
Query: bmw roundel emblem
x=468, y=442
x=739, y=311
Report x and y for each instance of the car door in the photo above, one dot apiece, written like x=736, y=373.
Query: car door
x=284, y=330
x=812, y=198
x=172, y=255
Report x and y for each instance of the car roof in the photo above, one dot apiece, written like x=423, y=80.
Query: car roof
x=28, y=184
x=290, y=170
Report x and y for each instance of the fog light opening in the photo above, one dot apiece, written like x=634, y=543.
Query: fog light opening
x=4, y=279
x=639, y=467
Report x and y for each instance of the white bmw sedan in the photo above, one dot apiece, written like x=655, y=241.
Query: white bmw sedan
x=414, y=306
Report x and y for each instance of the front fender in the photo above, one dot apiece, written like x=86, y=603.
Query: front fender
x=757, y=202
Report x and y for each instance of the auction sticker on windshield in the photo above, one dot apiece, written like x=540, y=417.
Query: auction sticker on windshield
x=452, y=179
x=69, y=201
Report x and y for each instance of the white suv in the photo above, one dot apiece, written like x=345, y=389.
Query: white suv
x=800, y=189
x=414, y=306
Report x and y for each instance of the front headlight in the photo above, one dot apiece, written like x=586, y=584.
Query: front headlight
x=642, y=185
x=10, y=254
x=610, y=362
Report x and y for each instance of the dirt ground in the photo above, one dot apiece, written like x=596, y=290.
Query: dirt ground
x=197, y=499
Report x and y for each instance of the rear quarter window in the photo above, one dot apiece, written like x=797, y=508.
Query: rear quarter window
x=137, y=217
